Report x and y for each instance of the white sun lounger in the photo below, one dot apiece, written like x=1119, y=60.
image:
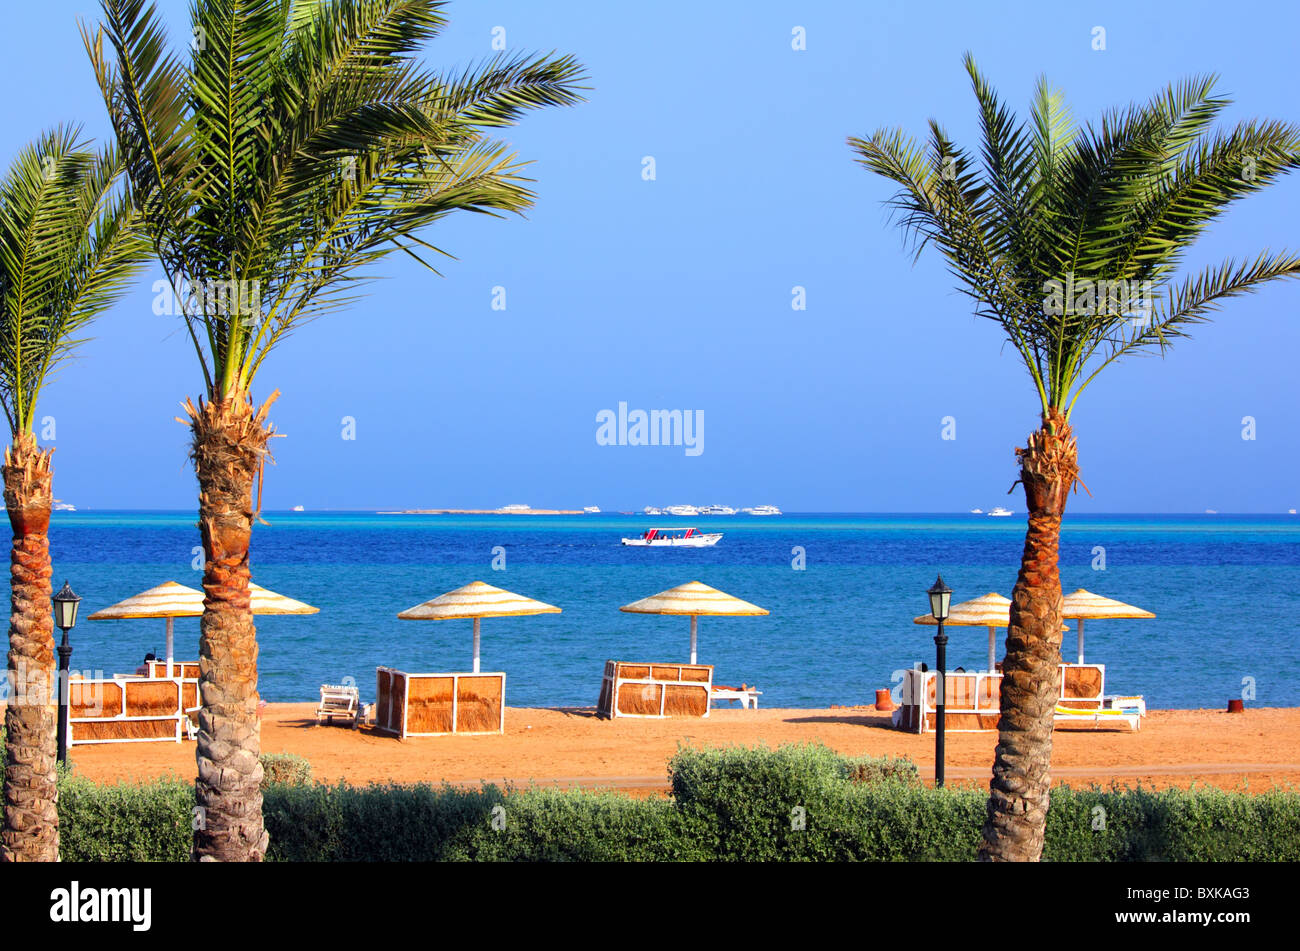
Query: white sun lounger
x=748, y=696
x=1136, y=705
x=339, y=701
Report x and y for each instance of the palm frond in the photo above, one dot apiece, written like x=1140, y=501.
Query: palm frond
x=303, y=144
x=1057, y=231
x=69, y=243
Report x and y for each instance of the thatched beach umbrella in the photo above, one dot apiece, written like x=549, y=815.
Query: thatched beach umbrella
x=1082, y=605
x=694, y=599
x=171, y=600
x=476, y=600
x=991, y=611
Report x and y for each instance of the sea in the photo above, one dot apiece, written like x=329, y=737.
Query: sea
x=842, y=590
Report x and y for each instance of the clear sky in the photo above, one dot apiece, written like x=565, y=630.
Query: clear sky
x=676, y=293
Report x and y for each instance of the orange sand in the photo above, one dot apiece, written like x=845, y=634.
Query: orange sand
x=571, y=747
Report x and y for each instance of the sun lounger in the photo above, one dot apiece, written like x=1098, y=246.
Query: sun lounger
x=1136, y=705
x=1099, y=719
x=339, y=701
x=747, y=695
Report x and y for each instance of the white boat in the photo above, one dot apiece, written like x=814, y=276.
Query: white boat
x=299, y=508
x=999, y=512
x=717, y=510
x=591, y=509
x=762, y=510
x=651, y=510
x=508, y=509
x=977, y=511
x=661, y=538
x=69, y=507
x=681, y=510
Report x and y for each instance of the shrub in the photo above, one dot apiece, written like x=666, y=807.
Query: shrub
x=807, y=803
x=758, y=804
x=124, y=822
x=551, y=825
x=284, y=769
x=880, y=769
x=377, y=823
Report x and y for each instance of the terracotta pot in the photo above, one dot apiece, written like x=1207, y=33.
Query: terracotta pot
x=883, y=701
x=1236, y=706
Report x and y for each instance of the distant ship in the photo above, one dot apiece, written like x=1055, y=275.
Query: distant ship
x=298, y=508
x=659, y=538
x=507, y=509
x=651, y=510
x=1000, y=512
x=681, y=510
x=977, y=511
x=592, y=509
x=1211, y=511
x=69, y=507
x=717, y=510
x=762, y=510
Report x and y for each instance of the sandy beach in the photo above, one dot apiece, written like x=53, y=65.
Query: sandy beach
x=1254, y=750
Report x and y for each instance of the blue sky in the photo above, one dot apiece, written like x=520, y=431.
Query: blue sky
x=676, y=293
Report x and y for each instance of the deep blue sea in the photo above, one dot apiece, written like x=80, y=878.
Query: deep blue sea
x=1225, y=588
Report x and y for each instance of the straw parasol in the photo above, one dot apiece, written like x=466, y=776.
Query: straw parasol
x=991, y=611
x=476, y=600
x=694, y=599
x=1082, y=605
x=171, y=600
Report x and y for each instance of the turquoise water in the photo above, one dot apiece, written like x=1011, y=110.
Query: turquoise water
x=1225, y=589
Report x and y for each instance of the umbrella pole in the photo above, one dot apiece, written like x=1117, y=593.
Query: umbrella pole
x=170, y=632
x=1081, y=640
x=695, y=631
x=476, y=643
x=992, y=647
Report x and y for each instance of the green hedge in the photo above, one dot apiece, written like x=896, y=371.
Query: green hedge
x=794, y=803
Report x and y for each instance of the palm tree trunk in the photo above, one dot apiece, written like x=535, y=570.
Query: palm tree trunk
x=1019, y=790
x=229, y=445
x=31, y=822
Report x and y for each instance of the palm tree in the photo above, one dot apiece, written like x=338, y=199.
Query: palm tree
x=1070, y=240
x=299, y=144
x=67, y=248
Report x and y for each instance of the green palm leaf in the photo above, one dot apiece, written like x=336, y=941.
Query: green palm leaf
x=1112, y=206
x=302, y=144
x=69, y=243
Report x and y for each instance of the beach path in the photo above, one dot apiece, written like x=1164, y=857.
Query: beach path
x=571, y=747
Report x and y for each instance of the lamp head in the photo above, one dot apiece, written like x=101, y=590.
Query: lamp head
x=940, y=599
x=65, y=608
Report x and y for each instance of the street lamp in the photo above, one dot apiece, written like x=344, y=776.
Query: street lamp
x=940, y=601
x=65, y=617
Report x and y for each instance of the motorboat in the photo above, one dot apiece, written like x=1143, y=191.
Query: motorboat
x=664, y=538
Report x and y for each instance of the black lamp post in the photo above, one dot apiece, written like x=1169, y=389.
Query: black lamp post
x=65, y=617
x=940, y=601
